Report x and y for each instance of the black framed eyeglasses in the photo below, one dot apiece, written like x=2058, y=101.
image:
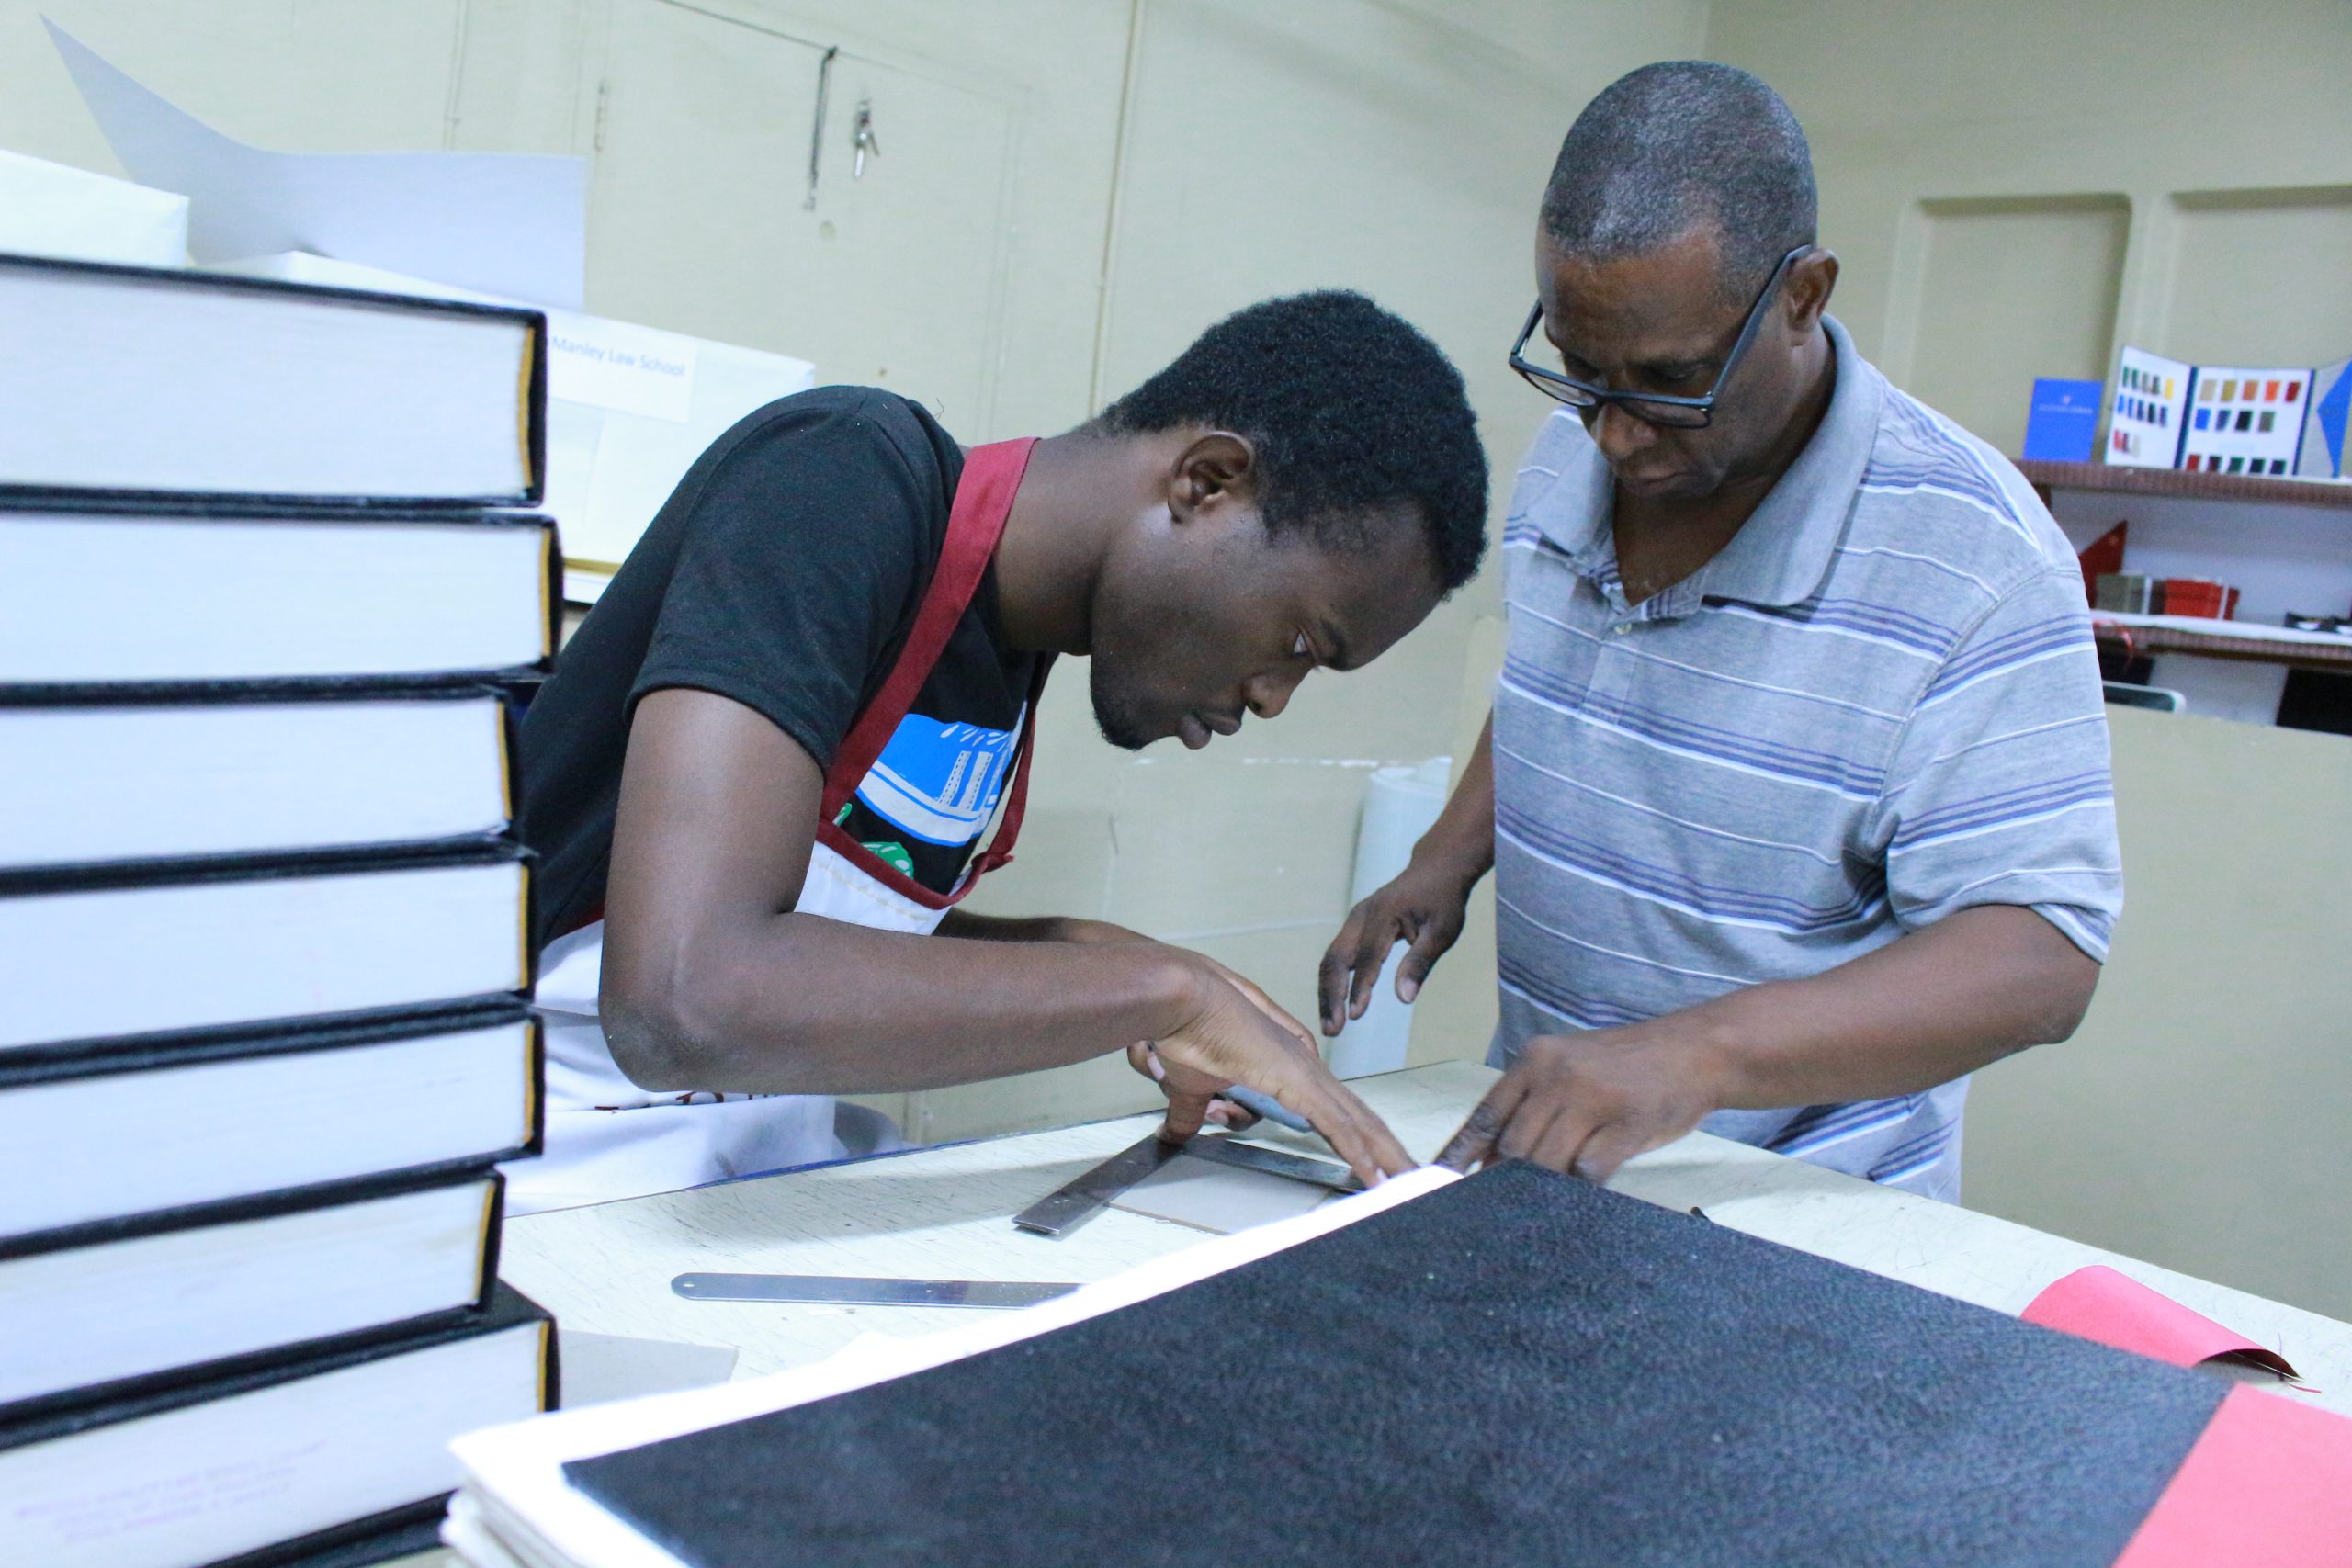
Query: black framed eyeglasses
x=1650, y=408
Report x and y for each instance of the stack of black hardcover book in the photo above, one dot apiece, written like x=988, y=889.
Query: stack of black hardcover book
x=264, y=923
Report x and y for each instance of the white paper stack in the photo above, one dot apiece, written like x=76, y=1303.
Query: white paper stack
x=51, y=209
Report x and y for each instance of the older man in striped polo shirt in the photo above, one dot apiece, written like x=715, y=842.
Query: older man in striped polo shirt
x=1796, y=787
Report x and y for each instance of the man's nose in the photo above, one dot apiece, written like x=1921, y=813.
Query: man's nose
x=1269, y=694
x=1618, y=433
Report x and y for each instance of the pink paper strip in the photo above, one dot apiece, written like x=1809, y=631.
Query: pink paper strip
x=2115, y=1309
x=2269, y=1482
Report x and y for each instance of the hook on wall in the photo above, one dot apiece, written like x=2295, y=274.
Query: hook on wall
x=817, y=132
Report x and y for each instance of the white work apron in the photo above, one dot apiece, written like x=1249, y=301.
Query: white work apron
x=606, y=1138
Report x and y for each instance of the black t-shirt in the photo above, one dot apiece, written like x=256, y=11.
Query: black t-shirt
x=785, y=572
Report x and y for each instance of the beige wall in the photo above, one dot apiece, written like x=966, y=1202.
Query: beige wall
x=2202, y=1117
x=2016, y=187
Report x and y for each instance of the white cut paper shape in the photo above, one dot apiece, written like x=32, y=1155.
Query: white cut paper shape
x=508, y=223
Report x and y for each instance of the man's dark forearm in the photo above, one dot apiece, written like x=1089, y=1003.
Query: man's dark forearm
x=1463, y=838
x=973, y=927
x=1944, y=1000
x=1919, y=1012
x=805, y=1005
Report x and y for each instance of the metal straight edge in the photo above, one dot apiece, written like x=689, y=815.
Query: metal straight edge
x=1065, y=1208
x=1071, y=1206
x=1274, y=1162
x=846, y=1289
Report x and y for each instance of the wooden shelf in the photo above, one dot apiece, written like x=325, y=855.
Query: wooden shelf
x=2333, y=654
x=2330, y=494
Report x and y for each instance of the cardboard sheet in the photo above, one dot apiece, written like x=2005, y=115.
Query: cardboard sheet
x=515, y=1474
x=2270, y=1483
x=2099, y=1303
x=1219, y=1198
x=508, y=223
x=600, y=1368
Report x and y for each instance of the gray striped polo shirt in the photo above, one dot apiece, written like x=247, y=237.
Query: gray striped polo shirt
x=1878, y=705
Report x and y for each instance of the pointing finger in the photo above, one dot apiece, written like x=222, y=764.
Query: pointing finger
x=1186, y=1110
x=1380, y=938
x=1331, y=974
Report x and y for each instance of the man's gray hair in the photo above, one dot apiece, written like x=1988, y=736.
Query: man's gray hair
x=1678, y=143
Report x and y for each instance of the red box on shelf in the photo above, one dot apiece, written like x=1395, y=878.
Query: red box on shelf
x=2198, y=596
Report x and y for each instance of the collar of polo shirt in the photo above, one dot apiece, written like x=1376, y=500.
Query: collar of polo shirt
x=1782, y=553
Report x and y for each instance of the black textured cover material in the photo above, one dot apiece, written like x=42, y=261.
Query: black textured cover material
x=1517, y=1369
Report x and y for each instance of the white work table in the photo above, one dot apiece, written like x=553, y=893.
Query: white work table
x=945, y=1212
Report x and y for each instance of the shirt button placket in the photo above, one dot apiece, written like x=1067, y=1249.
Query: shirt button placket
x=1612, y=673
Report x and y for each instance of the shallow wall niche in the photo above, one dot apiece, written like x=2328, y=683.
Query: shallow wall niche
x=2260, y=276
x=1992, y=292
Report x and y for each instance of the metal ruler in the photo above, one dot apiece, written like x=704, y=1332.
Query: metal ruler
x=1062, y=1212
x=846, y=1289
x=1274, y=1162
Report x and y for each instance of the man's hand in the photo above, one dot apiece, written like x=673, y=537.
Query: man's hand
x=1222, y=1112
x=1920, y=1012
x=1586, y=1103
x=1232, y=1038
x=1424, y=906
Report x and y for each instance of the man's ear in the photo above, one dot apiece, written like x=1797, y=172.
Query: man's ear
x=1812, y=279
x=1215, y=472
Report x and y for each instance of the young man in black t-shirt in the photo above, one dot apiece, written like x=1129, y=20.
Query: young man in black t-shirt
x=1297, y=490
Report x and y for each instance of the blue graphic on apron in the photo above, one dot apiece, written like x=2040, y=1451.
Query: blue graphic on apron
x=939, y=782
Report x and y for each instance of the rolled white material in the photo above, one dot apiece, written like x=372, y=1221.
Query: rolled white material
x=1401, y=803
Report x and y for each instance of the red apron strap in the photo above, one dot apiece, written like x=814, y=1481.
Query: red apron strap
x=1016, y=801
x=984, y=494
x=983, y=500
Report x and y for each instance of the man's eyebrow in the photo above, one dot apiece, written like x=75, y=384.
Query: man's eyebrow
x=1654, y=369
x=1336, y=644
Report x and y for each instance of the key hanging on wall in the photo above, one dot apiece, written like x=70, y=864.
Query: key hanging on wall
x=863, y=139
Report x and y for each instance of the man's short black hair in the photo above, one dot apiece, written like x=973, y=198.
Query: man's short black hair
x=1681, y=142
x=1353, y=411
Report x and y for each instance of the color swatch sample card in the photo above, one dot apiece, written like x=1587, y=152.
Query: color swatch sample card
x=2217, y=419
x=2151, y=400
x=2246, y=421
